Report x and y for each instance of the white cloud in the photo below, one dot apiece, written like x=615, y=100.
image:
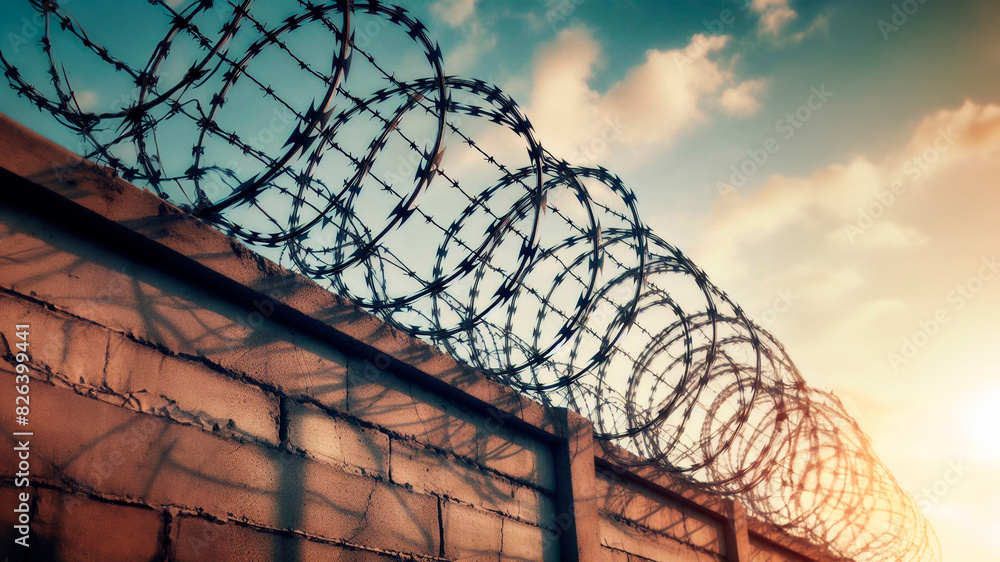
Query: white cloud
x=818, y=280
x=774, y=15
x=820, y=24
x=866, y=288
x=860, y=300
x=882, y=235
x=454, y=12
x=462, y=58
x=87, y=100
x=785, y=203
x=478, y=38
x=744, y=99
x=928, y=173
x=655, y=101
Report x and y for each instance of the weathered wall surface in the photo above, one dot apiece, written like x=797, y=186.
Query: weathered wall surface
x=648, y=525
x=192, y=401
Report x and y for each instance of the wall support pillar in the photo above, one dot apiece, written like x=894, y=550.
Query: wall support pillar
x=576, y=489
x=737, y=535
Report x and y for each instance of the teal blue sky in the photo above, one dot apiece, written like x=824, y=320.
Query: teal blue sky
x=944, y=54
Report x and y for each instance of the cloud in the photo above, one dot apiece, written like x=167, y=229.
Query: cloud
x=87, y=100
x=774, y=15
x=656, y=100
x=454, y=12
x=787, y=203
x=884, y=235
x=872, y=245
x=859, y=301
x=478, y=39
x=824, y=281
x=820, y=24
x=744, y=99
x=885, y=200
x=974, y=129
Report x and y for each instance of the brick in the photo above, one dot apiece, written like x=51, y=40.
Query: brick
x=527, y=542
x=129, y=298
x=500, y=396
x=82, y=282
x=470, y=534
x=401, y=520
x=431, y=472
x=473, y=534
x=658, y=513
x=517, y=456
x=337, y=441
x=760, y=552
x=71, y=527
x=126, y=454
x=298, y=365
x=619, y=499
x=145, y=378
x=647, y=545
x=196, y=539
x=190, y=391
x=385, y=400
x=155, y=307
x=382, y=399
x=535, y=506
x=703, y=531
x=77, y=350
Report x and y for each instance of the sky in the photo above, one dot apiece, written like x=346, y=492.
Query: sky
x=831, y=165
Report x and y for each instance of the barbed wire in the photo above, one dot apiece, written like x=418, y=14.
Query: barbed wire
x=535, y=271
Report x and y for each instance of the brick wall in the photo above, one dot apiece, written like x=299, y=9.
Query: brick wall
x=193, y=401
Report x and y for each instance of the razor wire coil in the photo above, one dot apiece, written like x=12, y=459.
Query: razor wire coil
x=427, y=199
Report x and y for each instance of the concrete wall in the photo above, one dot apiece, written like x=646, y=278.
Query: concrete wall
x=190, y=400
